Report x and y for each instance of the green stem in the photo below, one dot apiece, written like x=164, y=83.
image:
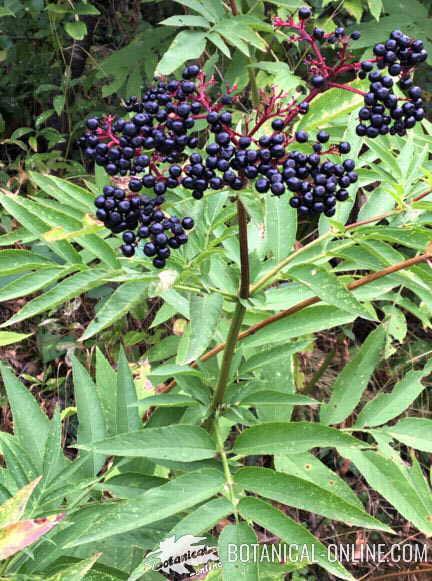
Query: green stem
x=237, y=318
x=228, y=355
x=227, y=472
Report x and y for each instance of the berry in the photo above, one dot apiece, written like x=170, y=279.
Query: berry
x=323, y=136
x=187, y=223
x=128, y=250
x=344, y=147
x=159, y=262
x=149, y=249
x=317, y=81
x=301, y=136
x=304, y=13
x=92, y=123
x=278, y=124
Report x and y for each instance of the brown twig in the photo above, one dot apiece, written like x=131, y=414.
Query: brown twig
x=234, y=8
x=302, y=305
x=402, y=573
x=421, y=196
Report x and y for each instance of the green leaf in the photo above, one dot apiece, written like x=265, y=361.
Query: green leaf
x=300, y=493
x=27, y=416
x=280, y=227
x=59, y=103
x=186, y=45
x=354, y=7
x=290, y=438
x=309, y=320
x=272, y=519
x=205, y=8
x=127, y=417
x=272, y=356
x=14, y=261
x=154, y=505
x=309, y=467
x=375, y=7
x=64, y=191
x=77, y=30
x=390, y=480
x=85, y=9
x=20, y=132
x=106, y=386
x=275, y=398
x=182, y=443
x=329, y=288
x=32, y=282
x=331, y=105
x=16, y=207
x=54, y=460
x=237, y=535
x=205, y=313
x=7, y=338
x=76, y=571
x=66, y=290
x=386, y=406
x=123, y=300
x=282, y=76
x=238, y=28
x=168, y=400
x=219, y=43
x=347, y=393
x=413, y=432
x=91, y=426
x=186, y=20
x=420, y=483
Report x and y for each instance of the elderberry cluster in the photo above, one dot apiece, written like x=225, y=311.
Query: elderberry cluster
x=163, y=117
x=383, y=112
x=140, y=218
x=316, y=185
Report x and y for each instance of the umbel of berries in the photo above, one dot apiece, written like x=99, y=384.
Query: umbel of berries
x=383, y=111
x=158, y=146
x=140, y=219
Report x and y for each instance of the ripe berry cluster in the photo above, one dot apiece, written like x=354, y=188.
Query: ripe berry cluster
x=153, y=142
x=383, y=112
x=316, y=185
x=163, y=118
x=144, y=215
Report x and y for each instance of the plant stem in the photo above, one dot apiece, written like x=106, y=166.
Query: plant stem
x=228, y=355
x=228, y=476
x=347, y=88
x=237, y=317
x=234, y=8
x=244, y=250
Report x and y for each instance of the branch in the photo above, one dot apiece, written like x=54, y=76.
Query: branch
x=234, y=8
x=302, y=305
x=244, y=251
